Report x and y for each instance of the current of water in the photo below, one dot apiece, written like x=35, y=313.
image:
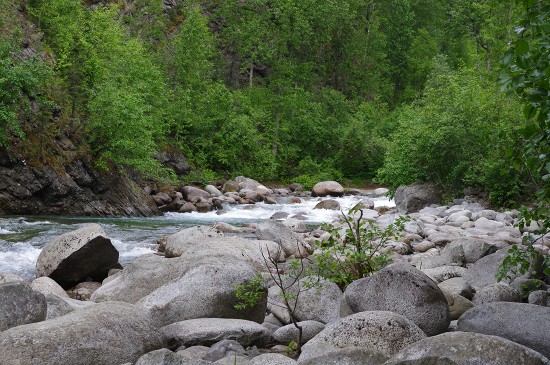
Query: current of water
x=22, y=238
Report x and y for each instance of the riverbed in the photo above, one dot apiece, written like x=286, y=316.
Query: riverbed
x=22, y=238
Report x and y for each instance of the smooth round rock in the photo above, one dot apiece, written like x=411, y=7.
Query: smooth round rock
x=19, y=305
x=325, y=188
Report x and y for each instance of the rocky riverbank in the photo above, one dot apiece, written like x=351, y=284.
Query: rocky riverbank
x=438, y=303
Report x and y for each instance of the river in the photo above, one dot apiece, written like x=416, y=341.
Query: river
x=22, y=238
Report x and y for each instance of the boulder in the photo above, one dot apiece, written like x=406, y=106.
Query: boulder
x=46, y=286
x=456, y=286
x=230, y=186
x=457, y=305
x=212, y=190
x=208, y=331
x=84, y=290
x=290, y=242
x=57, y=307
x=272, y=359
x=177, y=242
x=462, y=348
x=226, y=228
x=77, y=255
x=483, y=272
x=193, y=194
x=348, y=356
x=187, y=208
x=289, y=333
x=539, y=297
x=167, y=357
x=487, y=224
x=523, y=323
x=414, y=197
x=207, y=291
x=246, y=183
x=328, y=204
x=452, y=255
x=7, y=277
x=107, y=333
x=325, y=188
x=320, y=302
x=402, y=289
x=439, y=274
x=19, y=305
x=384, y=332
x=222, y=349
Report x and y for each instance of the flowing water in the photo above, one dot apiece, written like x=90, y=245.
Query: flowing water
x=22, y=238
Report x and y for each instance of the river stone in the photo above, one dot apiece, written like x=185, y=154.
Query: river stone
x=290, y=242
x=475, y=249
x=525, y=286
x=207, y=291
x=232, y=360
x=208, y=331
x=329, y=204
x=246, y=183
x=57, y=307
x=19, y=305
x=456, y=286
x=526, y=324
x=487, y=224
x=325, y=188
x=385, y=332
x=483, y=271
x=212, y=190
x=457, y=305
x=226, y=228
x=464, y=348
x=497, y=292
x=74, y=256
x=289, y=333
x=224, y=348
x=348, y=356
x=167, y=357
x=193, y=194
x=440, y=274
x=46, y=285
x=7, y=278
x=188, y=236
x=272, y=359
x=414, y=197
x=539, y=297
x=319, y=303
x=452, y=255
x=108, y=333
x=402, y=289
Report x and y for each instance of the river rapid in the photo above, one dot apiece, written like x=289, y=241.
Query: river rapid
x=22, y=238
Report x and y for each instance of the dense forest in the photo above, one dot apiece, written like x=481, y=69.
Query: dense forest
x=284, y=90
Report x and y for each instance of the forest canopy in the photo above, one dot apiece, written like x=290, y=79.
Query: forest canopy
x=282, y=90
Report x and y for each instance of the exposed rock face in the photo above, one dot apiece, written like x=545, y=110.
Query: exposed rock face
x=167, y=357
x=325, y=188
x=73, y=189
x=462, y=348
x=74, y=256
x=402, y=289
x=414, y=197
x=107, y=333
x=526, y=324
x=19, y=305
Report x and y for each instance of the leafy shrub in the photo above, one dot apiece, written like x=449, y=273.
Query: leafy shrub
x=360, y=252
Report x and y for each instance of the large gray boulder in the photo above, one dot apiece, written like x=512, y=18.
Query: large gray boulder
x=325, y=188
x=462, y=348
x=46, y=285
x=167, y=357
x=77, y=255
x=57, y=307
x=289, y=333
x=402, y=289
x=452, y=255
x=272, y=359
x=348, y=356
x=208, y=331
x=384, y=332
x=526, y=324
x=193, y=194
x=246, y=183
x=176, y=243
x=414, y=197
x=19, y=305
x=290, y=242
x=329, y=204
x=235, y=248
x=319, y=303
x=107, y=333
x=498, y=292
x=475, y=249
x=207, y=291
x=483, y=272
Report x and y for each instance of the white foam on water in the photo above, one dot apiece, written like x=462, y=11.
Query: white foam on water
x=5, y=231
x=19, y=259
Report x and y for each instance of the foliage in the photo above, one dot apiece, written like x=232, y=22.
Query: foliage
x=359, y=252
x=522, y=260
x=450, y=135
x=250, y=293
x=528, y=72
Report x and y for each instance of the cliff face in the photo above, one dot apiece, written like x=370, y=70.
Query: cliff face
x=75, y=188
